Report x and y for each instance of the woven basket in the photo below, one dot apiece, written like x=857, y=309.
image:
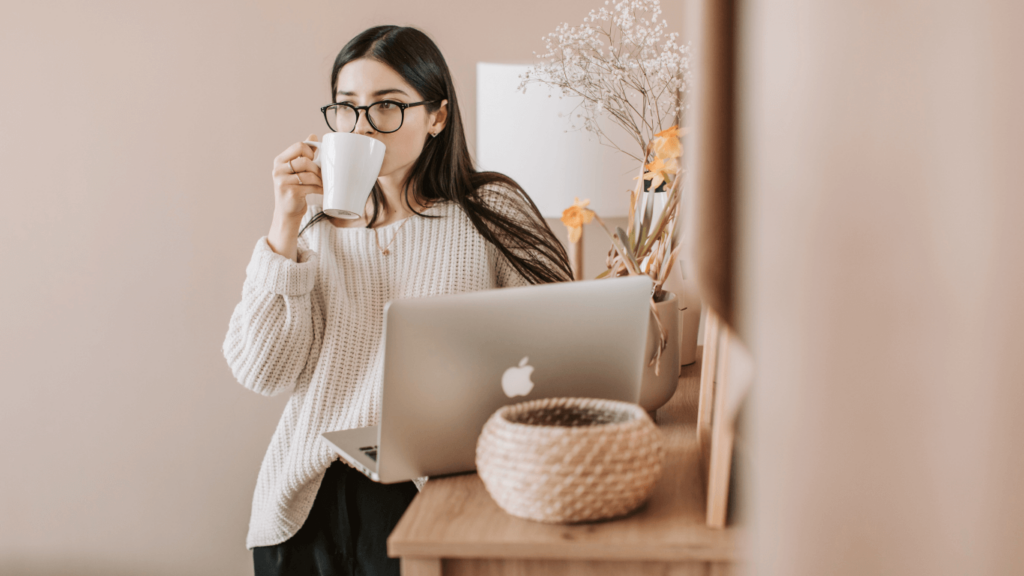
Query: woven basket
x=564, y=460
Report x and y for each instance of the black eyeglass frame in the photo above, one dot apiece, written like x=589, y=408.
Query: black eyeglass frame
x=401, y=105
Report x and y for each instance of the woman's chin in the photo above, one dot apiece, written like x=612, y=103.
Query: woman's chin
x=393, y=171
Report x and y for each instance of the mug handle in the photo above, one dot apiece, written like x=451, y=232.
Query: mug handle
x=316, y=150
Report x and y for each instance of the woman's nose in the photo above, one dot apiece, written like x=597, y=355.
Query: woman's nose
x=363, y=125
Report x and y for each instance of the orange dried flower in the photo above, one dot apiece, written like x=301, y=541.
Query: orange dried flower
x=575, y=216
x=659, y=170
x=667, y=149
x=667, y=143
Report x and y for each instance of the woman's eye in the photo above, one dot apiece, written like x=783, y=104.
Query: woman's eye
x=387, y=105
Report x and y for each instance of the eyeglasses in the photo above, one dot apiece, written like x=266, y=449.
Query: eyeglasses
x=385, y=116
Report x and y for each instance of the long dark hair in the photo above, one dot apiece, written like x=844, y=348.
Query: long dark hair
x=496, y=205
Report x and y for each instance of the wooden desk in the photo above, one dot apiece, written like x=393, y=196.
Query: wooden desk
x=453, y=527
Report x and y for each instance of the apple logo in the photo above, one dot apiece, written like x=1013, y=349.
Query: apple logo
x=516, y=380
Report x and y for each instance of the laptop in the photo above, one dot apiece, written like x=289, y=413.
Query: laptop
x=451, y=361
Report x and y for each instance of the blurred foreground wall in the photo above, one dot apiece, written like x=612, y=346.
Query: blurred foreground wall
x=881, y=284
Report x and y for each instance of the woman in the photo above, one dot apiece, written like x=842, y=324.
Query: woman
x=311, y=317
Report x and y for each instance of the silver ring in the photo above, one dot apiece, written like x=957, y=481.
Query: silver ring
x=300, y=179
x=292, y=167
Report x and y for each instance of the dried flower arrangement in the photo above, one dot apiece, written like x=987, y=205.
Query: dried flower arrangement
x=623, y=67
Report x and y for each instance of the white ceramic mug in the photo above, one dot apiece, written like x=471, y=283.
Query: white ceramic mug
x=349, y=165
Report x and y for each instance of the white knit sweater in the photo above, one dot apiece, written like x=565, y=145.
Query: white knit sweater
x=314, y=329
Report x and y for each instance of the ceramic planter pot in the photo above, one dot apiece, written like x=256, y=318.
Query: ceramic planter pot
x=689, y=305
x=656, y=389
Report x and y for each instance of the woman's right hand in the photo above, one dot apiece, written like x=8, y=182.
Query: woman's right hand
x=290, y=189
x=290, y=196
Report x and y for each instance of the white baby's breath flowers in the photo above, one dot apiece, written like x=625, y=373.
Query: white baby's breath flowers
x=623, y=66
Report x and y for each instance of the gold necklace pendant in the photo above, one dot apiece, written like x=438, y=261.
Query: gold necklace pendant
x=385, y=250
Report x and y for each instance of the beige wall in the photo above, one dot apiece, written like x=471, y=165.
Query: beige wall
x=136, y=140
x=881, y=283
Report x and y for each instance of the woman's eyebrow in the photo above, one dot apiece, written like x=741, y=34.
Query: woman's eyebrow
x=377, y=93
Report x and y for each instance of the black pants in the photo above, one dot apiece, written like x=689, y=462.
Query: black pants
x=346, y=531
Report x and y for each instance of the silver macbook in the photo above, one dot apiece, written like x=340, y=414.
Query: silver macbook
x=451, y=361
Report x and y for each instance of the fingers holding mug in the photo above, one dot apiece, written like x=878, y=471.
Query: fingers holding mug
x=298, y=171
x=294, y=179
x=307, y=150
x=310, y=180
x=300, y=165
x=297, y=150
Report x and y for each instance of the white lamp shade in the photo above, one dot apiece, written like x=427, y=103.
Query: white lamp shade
x=522, y=136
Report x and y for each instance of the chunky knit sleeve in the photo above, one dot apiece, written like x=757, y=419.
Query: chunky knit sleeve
x=272, y=330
